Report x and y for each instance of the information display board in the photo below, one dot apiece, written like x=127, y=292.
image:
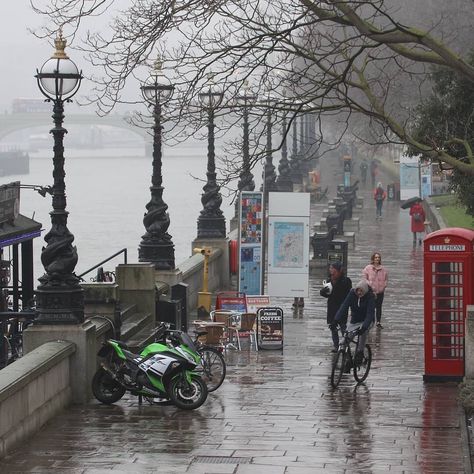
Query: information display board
x=250, y=242
x=288, y=245
x=409, y=177
x=270, y=328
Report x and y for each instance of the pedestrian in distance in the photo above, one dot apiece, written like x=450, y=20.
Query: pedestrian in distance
x=363, y=167
x=374, y=171
x=418, y=216
x=361, y=301
x=379, y=196
x=377, y=276
x=335, y=290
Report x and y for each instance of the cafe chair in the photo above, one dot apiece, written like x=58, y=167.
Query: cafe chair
x=246, y=326
x=228, y=319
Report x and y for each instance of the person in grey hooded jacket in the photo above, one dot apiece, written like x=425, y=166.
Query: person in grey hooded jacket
x=361, y=301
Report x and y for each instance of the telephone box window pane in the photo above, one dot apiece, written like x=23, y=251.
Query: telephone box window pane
x=447, y=305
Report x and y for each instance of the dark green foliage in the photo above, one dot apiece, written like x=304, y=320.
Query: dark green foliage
x=449, y=113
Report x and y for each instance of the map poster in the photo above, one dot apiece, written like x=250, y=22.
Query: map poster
x=288, y=238
x=250, y=242
x=270, y=328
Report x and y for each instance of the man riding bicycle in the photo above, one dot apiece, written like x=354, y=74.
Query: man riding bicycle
x=361, y=301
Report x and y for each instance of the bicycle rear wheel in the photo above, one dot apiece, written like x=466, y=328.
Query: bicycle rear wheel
x=361, y=371
x=214, y=367
x=338, y=366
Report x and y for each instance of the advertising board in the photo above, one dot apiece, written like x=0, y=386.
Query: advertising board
x=270, y=328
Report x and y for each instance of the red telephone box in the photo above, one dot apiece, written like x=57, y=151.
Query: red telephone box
x=449, y=288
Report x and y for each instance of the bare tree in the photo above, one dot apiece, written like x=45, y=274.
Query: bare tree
x=336, y=58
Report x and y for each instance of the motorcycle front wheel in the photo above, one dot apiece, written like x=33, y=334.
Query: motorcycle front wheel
x=187, y=396
x=105, y=388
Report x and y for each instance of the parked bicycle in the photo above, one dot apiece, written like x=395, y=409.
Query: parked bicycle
x=344, y=360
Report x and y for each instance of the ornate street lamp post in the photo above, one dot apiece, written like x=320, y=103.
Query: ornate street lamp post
x=156, y=245
x=246, y=100
x=295, y=163
x=211, y=221
x=284, y=182
x=59, y=297
x=269, y=175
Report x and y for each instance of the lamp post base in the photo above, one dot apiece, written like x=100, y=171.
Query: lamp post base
x=161, y=254
x=59, y=305
x=211, y=227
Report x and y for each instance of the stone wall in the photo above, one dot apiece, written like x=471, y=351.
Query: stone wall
x=32, y=390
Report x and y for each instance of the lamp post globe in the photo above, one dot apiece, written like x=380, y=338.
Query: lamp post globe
x=211, y=220
x=59, y=296
x=156, y=245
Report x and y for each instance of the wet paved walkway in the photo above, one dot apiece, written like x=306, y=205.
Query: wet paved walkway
x=276, y=412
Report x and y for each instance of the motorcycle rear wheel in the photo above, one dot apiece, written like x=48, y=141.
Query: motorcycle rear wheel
x=187, y=396
x=105, y=388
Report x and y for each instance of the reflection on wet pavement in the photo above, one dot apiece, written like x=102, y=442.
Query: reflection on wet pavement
x=276, y=412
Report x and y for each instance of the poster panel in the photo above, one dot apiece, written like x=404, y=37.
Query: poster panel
x=250, y=242
x=409, y=177
x=288, y=244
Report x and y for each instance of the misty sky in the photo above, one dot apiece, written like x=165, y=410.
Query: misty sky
x=22, y=53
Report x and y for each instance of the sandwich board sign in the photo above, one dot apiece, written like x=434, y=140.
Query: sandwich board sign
x=270, y=328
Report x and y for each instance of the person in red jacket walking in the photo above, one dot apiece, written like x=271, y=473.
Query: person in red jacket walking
x=418, y=216
x=379, y=195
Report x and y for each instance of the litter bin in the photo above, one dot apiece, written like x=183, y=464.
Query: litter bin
x=179, y=292
x=319, y=242
x=391, y=192
x=169, y=312
x=337, y=250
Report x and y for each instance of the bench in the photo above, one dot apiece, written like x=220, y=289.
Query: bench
x=350, y=237
x=352, y=225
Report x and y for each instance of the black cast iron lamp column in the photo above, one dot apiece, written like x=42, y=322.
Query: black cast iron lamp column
x=211, y=220
x=59, y=296
x=156, y=245
x=269, y=174
x=284, y=182
x=246, y=100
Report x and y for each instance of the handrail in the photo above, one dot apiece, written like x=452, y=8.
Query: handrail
x=124, y=251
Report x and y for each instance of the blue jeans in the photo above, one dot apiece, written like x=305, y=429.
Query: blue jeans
x=378, y=208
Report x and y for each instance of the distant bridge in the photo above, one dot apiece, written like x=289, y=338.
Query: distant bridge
x=13, y=122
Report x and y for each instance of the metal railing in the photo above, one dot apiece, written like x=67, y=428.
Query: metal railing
x=124, y=251
x=12, y=324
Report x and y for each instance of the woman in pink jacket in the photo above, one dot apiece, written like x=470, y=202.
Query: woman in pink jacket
x=377, y=276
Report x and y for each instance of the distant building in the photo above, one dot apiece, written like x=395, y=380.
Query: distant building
x=22, y=105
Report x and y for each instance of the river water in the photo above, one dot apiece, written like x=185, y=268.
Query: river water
x=107, y=191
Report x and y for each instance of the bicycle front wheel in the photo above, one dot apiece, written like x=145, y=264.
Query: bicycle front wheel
x=338, y=366
x=214, y=367
x=361, y=371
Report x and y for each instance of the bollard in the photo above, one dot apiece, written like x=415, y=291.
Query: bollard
x=204, y=296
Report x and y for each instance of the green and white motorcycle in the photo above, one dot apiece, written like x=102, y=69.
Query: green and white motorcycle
x=158, y=372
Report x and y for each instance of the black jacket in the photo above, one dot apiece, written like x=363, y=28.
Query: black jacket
x=362, y=309
x=340, y=288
